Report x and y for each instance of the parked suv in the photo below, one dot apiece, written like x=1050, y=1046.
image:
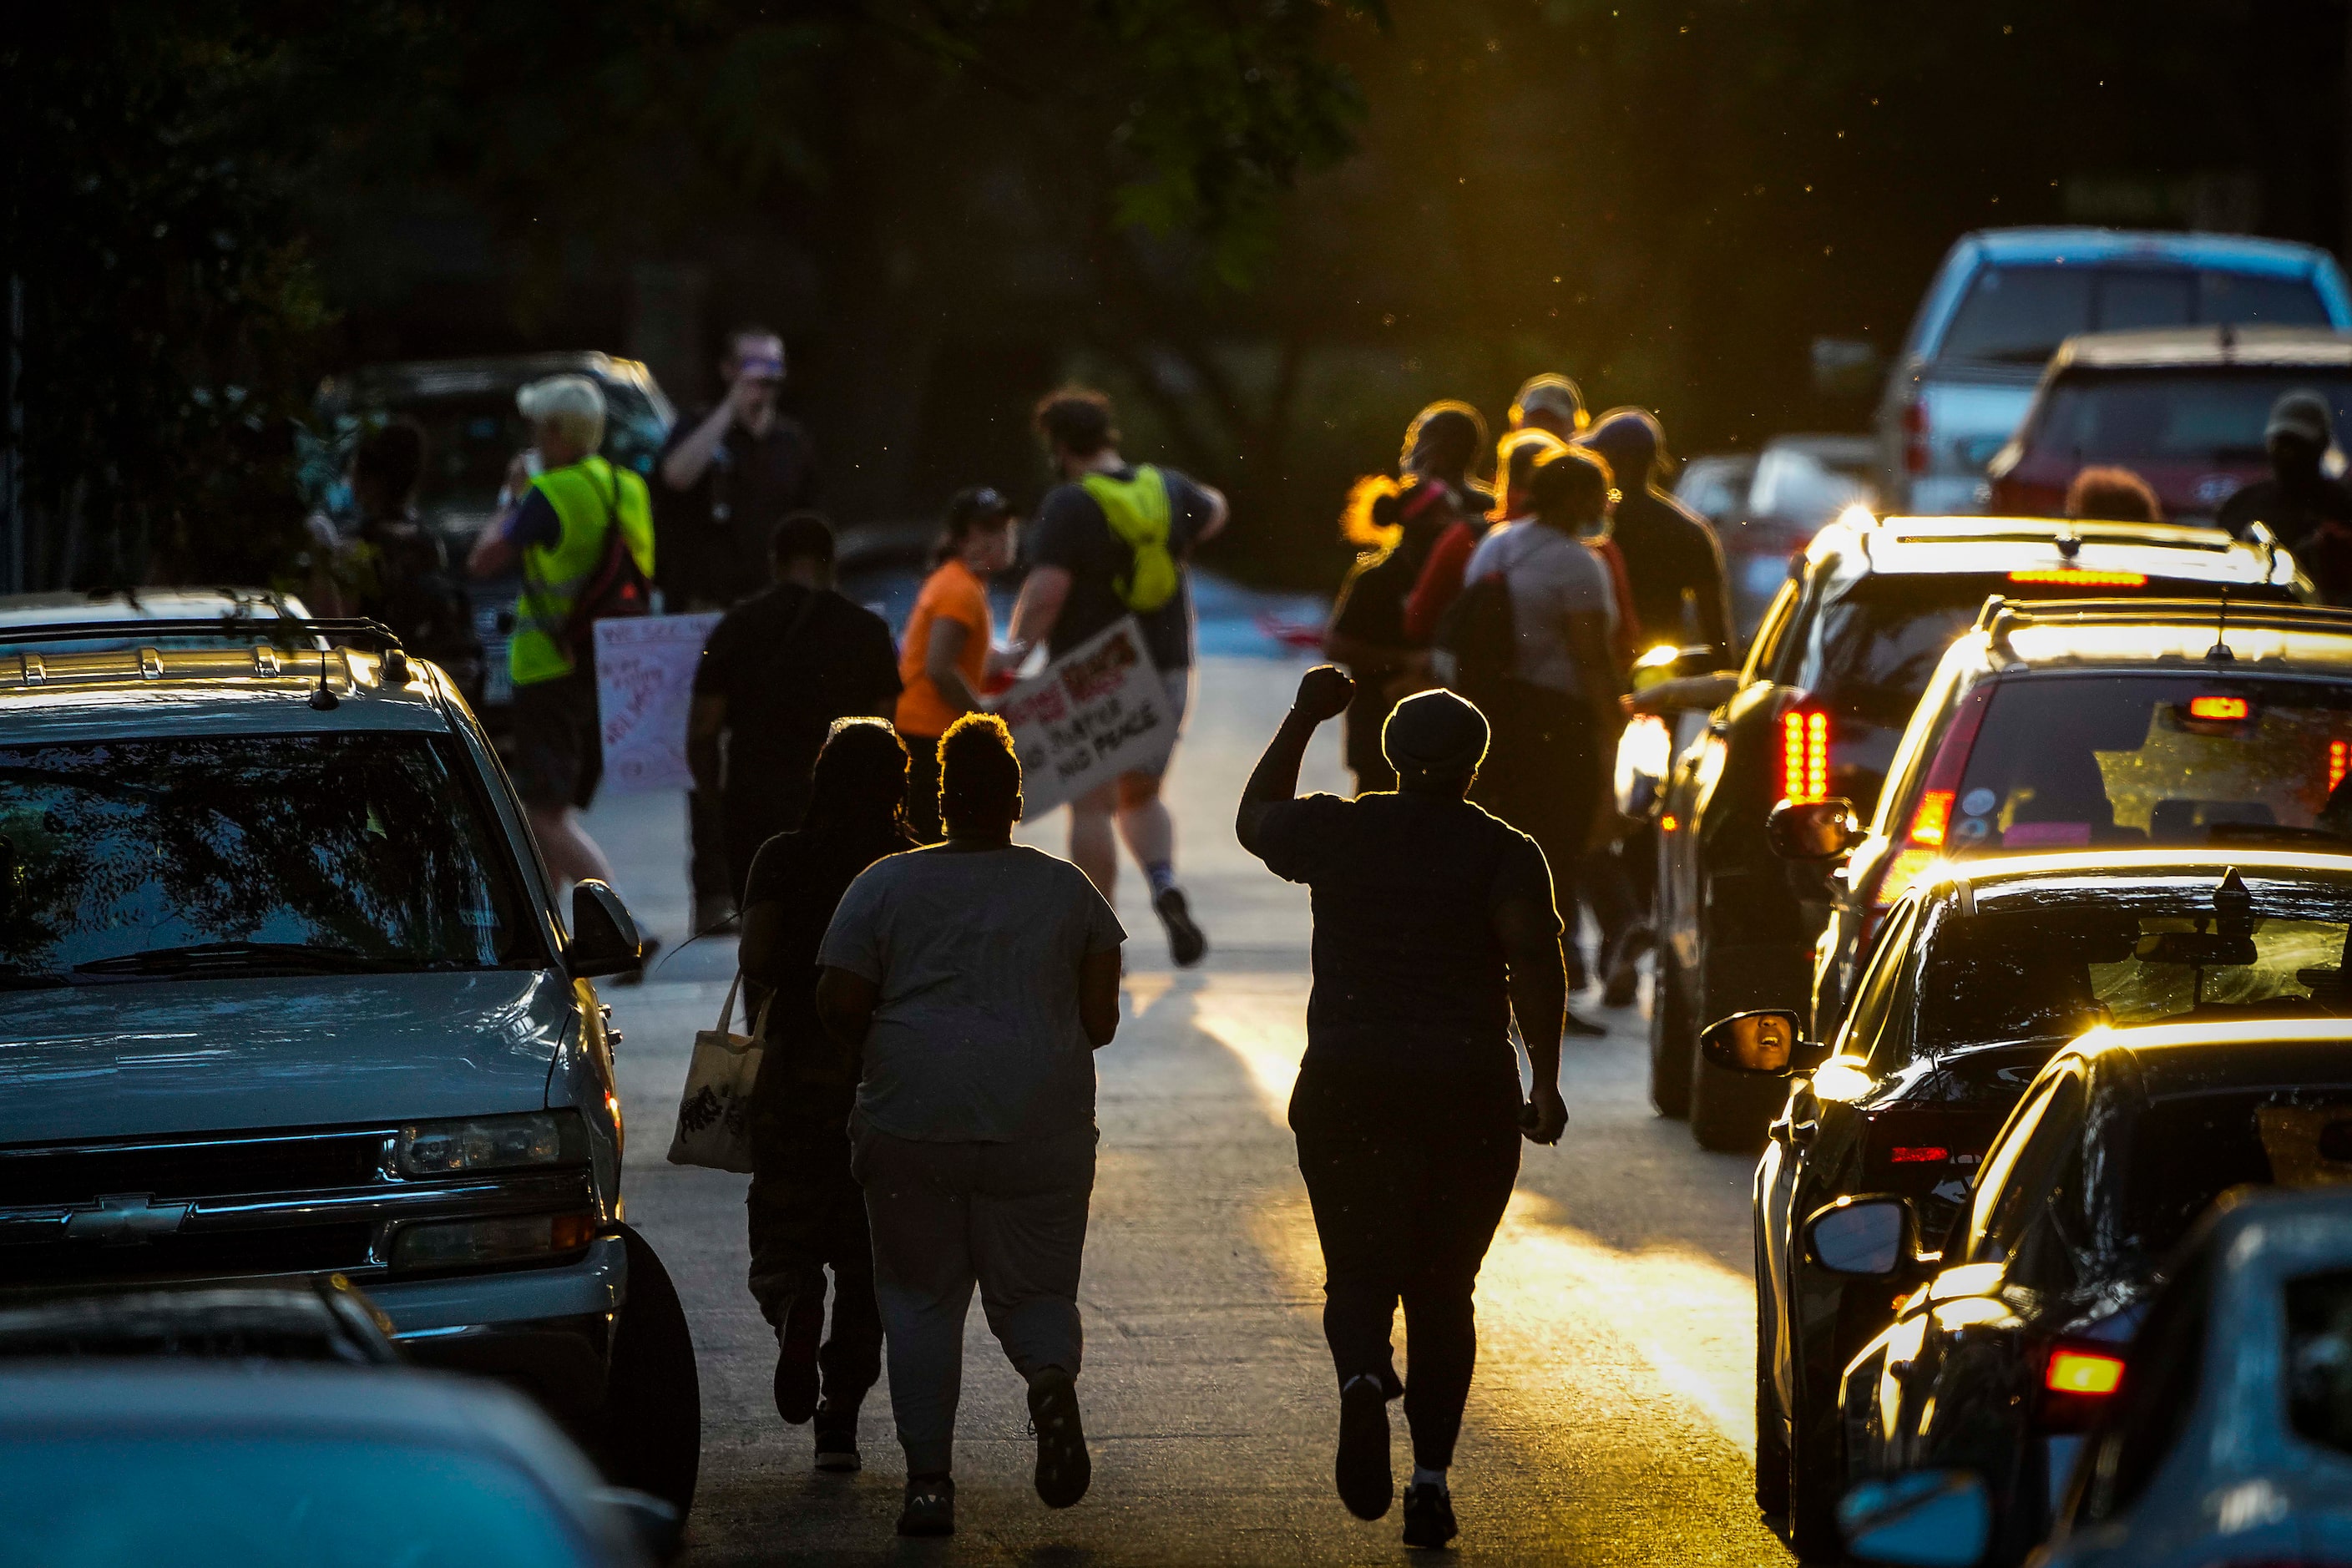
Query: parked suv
x=2100, y=724
x=2184, y=409
x=2005, y=298
x=1831, y=681
x=284, y=993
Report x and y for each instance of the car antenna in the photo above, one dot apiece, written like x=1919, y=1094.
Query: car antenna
x=2219, y=653
x=324, y=700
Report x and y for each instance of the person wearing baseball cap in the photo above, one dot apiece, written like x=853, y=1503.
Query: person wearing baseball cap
x=581, y=531
x=1550, y=403
x=1435, y=926
x=2309, y=512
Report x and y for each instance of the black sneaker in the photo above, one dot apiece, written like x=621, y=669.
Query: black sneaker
x=1186, y=943
x=930, y=1507
x=1362, y=1467
x=836, y=1437
x=1064, y=1469
x=1429, y=1515
x=796, y=1342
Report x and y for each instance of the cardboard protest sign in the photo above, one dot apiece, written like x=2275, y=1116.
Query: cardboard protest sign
x=644, y=684
x=1095, y=712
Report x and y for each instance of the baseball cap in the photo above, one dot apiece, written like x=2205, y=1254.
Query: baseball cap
x=1435, y=732
x=2304, y=415
x=1552, y=394
x=555, y=395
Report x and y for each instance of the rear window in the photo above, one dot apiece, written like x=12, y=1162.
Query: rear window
x=201, y=857
x=2185, y=1152
x=2021, y=314
x=2083, y=761
x=1870, y=652
x=2190, y=416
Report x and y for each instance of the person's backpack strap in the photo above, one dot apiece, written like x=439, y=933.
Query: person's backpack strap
x=616, y=588
x=1137, y=511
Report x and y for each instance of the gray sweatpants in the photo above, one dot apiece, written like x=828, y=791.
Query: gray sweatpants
x=1011, y=1217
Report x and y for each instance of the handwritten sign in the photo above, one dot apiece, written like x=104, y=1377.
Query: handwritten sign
x=1098, y=711
x=644, y=684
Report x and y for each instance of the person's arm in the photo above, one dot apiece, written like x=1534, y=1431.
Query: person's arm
x=846, y=1002
x=1323, y=693
x=494, y=555
x=683, y=466
x=1701, y=691
x=1529, y=936
x=1043, y=595
x=761, y=950
x=704, y=724
x=946, y=644
x=1440, y=584
x=1098, y=996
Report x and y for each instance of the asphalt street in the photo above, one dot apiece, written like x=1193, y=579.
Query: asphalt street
x=1611, y=1420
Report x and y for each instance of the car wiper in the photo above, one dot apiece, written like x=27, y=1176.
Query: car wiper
x=234, y=956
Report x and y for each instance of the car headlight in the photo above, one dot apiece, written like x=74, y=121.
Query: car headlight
x=490, y=1143
x=468, y=1242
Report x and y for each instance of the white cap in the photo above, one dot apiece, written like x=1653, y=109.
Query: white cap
x=558, y=395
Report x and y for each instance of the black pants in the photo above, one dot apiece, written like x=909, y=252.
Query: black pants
x=1407, y=1187
x=706, y=868
x=807, y=1214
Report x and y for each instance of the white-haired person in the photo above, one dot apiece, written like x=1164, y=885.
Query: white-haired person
x=568, y=505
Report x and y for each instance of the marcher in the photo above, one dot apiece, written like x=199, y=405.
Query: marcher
x=1556, y=714
x=1673, y=563
x=1552, y=404
x=581, y=531
x=980, y=977
x=1441, y=574
x=1368, y=632
x=806, y=1212
x=2299, y=501
x=943, y=663
x=1434, y=925
x=778, y=671
x=1111, y=540
x=728, y=476
x=405, y=580
x=2113, y=495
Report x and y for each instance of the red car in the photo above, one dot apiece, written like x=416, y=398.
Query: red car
x=2183, y=407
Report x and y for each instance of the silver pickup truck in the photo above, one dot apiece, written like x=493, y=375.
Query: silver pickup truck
x=2005, y=298
x=284, y=993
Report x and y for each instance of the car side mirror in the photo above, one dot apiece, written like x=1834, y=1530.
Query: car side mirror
x=1813, y=829
x=1925, y=1519
x=1764, y=1042
x=652, y=1523
x=604, y=940
x=1863, y=1238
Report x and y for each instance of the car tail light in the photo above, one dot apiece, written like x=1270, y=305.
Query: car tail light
x=2339, y=763
x=2074, y=1370
x=2080, y=577
x=1918, y=1154
x=1915, y=437
x=2220, y=708
x=1804, y=755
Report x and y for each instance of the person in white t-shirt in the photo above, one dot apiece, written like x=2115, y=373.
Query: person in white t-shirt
x=1556, y=719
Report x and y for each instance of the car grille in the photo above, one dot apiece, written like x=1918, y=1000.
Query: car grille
x=189, y=1170
x=281, y=1249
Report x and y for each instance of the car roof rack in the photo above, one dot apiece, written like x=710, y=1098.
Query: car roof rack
x=355, y=631
x=2266, y=614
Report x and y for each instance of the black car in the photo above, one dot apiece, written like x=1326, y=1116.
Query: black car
x=2096, y=725
x=322, y=1318
x=2000, y=1361
x=1828, y=686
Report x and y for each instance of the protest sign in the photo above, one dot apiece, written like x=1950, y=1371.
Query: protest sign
x=1095, y=712
x=644, y=684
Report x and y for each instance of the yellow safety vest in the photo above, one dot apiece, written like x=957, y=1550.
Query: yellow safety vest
x=1137, y=509
x=589, y=496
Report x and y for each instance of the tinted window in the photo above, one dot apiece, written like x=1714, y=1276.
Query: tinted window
x=2018, y=1187
x=205, y=855
x=2021, y=314
x=1873, y=997
x=1872, y=651
x=2013, y=975
x=2185, y=1152
x=1764, y=653
x=2320, y=1358
x=1993, y=1175
x=2159, y=1393
x=2190, y=416
x=2075, y=762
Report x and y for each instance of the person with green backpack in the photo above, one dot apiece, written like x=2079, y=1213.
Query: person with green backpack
x=1112, y=540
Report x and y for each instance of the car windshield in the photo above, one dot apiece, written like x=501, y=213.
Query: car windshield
x=2052, y=972
x=2071, y=761
x=198, y=856
x=2020, y=314
x=312, y=1501
x=2208, y=418
x=2185, y=1151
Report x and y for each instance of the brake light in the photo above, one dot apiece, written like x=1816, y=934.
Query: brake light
x=1804, y=756
x=1933, y=816
x=2339, y=763
x=2080, y=577
x=1915, y=437
x=2074, y=1370
x=1924, y=1154
x=2216, y=707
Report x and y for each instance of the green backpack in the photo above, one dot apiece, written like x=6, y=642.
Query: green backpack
x=1137, y=510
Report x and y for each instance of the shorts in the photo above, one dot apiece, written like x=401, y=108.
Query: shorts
x=1178, y=682
x=559, y=755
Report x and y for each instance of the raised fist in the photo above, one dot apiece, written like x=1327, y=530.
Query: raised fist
x=1324, y=692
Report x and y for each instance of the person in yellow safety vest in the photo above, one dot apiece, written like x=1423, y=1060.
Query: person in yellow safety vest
x=568, y=504
x=1108, y=543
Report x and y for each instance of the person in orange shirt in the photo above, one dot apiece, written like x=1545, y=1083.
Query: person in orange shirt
x=943, y=663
